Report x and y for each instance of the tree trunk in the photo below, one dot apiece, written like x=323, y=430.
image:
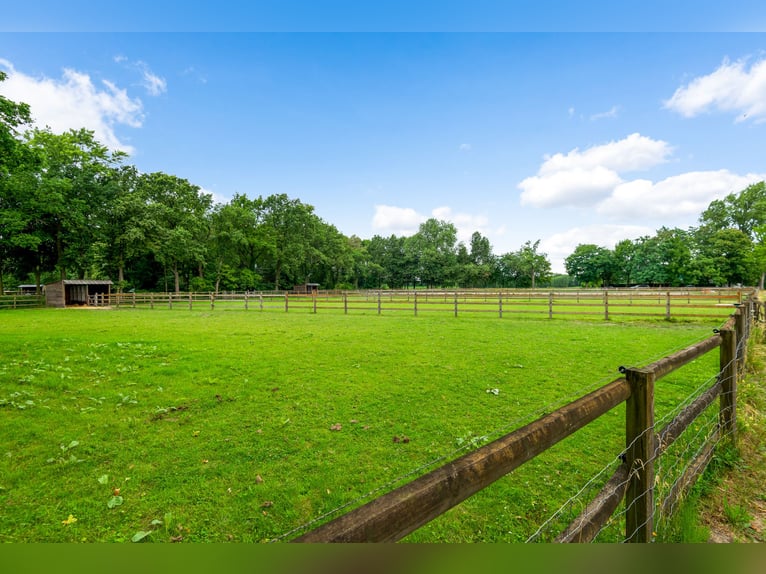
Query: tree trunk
x=277, y=273
x=176, y=277
x=59, y=253
x=763, y=276
x=120, y=277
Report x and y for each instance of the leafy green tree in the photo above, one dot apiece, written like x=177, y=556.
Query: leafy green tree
x=14, y=165
x=590, y=264
x=759, y=253
x=732, y=258
x=176, y=214
x=624, y=261
x=286, y=235
x=70, y=196
x=534, y=265
x=434, y=248
x=397, y=264
x=125, y=225
x=745, y=211
x=234, y=243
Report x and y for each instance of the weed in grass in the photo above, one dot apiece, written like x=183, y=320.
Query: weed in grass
x=737, y=515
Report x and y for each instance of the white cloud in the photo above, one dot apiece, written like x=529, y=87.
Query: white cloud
x=677, y=197
x=731, y=88
x=406, y=221
x=465, y=223
x=217, y=197
x=465, y=147
x=633, y=153
x=612, y=113
x=561, y=245
x=389, y=220
x=583, y=178
x=74, y=102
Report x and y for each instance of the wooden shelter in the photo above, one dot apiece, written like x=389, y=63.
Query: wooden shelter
x=306, y=288
x=78, y=292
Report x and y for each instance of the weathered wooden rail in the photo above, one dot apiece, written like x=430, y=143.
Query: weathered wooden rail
x=21, y=301
x=396, y=514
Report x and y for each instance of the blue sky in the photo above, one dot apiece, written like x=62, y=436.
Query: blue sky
x=572, y=126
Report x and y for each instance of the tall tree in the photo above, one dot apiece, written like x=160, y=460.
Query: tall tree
x=17, y=168
x=745, y=211
x=287, y=233
x=591, y=264
x=71, y=194
x=126, y=225
x=434, y=249
x=533, y=264
x=730, y=253
x=234, y=242
x=177, y=214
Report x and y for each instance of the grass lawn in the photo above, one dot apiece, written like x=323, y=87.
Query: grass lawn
x=165, y=425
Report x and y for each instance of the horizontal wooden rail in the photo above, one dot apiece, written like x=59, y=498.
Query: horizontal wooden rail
x=677, y=360
x=398, y=513
x=588, y=524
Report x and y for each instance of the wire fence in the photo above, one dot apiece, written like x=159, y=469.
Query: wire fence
x=625, y=500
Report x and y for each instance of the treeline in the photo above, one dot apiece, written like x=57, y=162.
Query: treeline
x=71, y=208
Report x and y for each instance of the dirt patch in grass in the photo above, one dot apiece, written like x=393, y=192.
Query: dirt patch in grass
x=735, y=509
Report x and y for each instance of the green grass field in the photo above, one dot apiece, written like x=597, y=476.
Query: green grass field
x=244, y=426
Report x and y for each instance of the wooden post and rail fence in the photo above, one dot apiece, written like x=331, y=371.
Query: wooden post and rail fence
x=603, y=304
x=396, y=514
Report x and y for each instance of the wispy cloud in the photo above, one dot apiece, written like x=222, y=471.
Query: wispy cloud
x=465, y=147
x=731, y=88
x=73, y=102
x=154, y=84
x=612, y=113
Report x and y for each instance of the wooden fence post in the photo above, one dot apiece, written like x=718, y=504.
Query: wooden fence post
x=260, y=301
x=667, y=307
x=134, y=299
x=151, y=300
x=314, y=297
x=170, y=300
x=286, y=298
x=640, y=454
x=416, y=303
x=345, y=303
x=190, y=300
x=455, y=303
x=550, y=305
x=245, y=300
x=728, y=401
x=606, y=305
x=500, y=301
x=379, y=306
x=740, y=326
x=212, y=301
